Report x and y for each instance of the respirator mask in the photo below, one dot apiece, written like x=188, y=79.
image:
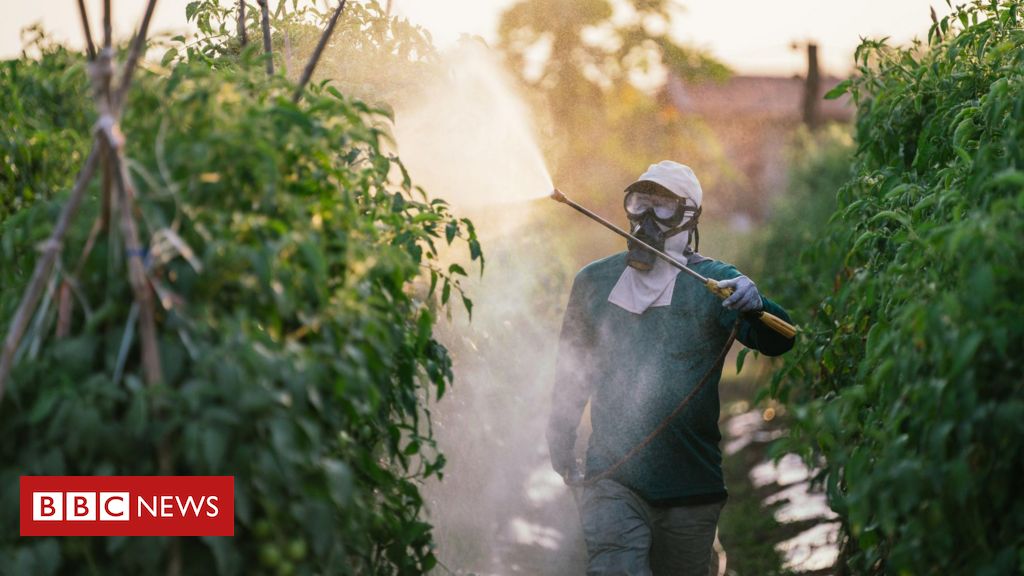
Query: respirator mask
x=655, y=215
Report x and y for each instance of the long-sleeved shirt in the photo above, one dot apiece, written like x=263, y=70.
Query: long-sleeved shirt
x=635, y=369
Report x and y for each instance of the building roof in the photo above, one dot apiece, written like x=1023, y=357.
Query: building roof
x=761, y=97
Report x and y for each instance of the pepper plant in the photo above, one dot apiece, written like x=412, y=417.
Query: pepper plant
x=908, y=381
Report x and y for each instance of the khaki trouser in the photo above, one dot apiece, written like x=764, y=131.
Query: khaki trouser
x=625, y=536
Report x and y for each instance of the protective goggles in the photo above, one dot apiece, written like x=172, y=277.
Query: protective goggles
x=669, y=209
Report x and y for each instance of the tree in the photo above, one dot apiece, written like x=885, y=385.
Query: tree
x=592, y=47
x=599, y=65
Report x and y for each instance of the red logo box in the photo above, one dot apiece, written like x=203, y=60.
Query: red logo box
x=127, y=505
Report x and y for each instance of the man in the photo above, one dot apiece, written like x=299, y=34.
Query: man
x=637, y=338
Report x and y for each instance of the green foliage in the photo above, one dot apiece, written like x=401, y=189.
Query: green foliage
x=298, y=280
x=908, y=378
x=44, y=123
x=365, y=42
x=819, y=163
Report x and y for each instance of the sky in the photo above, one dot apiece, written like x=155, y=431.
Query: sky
x=751, y=36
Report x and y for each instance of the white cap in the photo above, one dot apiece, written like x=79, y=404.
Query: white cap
x=677, y=178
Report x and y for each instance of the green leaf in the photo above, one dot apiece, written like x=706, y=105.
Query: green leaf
x=339, y=481
x=425, y=325
x=191, y=9
x=169, y=57
x=41, y=409
x=450, y=230
x=840, y=89
x=740, y=357
x=215, y=444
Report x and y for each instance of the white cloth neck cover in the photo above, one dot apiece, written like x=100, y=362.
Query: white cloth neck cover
x=637, y=291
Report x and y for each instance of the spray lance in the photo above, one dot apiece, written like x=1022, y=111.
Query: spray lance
x=770, y=320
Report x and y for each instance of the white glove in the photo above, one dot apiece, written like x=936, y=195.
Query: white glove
x=744, y=298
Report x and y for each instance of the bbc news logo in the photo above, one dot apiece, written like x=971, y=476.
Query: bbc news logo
x=127, y=505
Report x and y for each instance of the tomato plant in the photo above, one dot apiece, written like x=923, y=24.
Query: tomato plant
x=298, y=280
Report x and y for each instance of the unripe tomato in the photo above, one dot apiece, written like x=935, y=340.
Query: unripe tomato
x=297, y=549
x=270, y=555
x=262, y=529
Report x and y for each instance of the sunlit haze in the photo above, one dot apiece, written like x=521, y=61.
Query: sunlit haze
x=750, y=36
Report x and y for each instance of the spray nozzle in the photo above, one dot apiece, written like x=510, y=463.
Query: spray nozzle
x=557, y=196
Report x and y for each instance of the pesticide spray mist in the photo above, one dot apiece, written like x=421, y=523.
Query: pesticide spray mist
x=469, y=138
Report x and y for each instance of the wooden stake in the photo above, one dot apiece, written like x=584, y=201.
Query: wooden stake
x=138, y=47
x=44, y=265
x=268, y=50
x=102, y=75
x=64, y=310
x=90, y=48
x=110, y=109
x=136, y=266
x=242, y=36
x=287, y=54
x=315, y=58
x=107, y=29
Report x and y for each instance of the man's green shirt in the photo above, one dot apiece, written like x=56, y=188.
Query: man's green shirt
x=636, y=368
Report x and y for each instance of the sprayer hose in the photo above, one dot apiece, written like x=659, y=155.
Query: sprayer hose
x=668, y=419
